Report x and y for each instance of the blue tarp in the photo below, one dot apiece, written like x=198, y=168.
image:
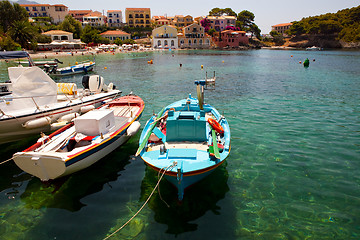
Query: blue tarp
x=14, y=54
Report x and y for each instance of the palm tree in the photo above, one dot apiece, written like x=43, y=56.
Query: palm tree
x=23, y=33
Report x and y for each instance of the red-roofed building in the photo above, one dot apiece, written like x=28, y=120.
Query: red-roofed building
x=79, y=14
x=281, y=28
x=160, y=20
x=138, y=17
x=56, y=12
x=112, y=35
x=230, y=38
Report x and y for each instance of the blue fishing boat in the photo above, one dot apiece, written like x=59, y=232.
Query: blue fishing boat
x=71, y=70
x=186, y=141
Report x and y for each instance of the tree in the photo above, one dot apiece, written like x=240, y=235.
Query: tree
x=10, y=13
x=118, y=42
x=76, y=24
x=66, y=26
x=245, y=21
x=90, y=34
x=277, y=37
x=222, y=11
x=6, y=43
x=23, y=33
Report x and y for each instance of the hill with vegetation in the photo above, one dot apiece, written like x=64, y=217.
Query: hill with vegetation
x=341, y=29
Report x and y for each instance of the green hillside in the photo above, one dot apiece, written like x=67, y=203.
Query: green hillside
x=345, y=24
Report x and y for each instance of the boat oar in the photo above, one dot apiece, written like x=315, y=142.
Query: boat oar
x=215, y=144
x=142, y=145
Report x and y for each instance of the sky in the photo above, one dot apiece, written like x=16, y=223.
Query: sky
x=267, y=12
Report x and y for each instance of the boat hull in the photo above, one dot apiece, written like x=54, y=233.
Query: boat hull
x=48, y=166
x=73, y=148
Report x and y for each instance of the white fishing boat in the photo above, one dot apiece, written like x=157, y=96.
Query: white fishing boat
x=31, y=102
x=83, y=142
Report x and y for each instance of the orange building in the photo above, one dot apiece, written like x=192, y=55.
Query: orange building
x=281, y=28
x=138, y=17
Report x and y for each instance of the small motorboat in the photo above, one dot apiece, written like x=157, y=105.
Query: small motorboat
x=186, y=141
x=71, y=70
x=31, y=102
x=314, y=48
x=83, y=142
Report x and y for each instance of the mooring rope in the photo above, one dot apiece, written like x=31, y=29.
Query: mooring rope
x=6, y=161
x=147, y=200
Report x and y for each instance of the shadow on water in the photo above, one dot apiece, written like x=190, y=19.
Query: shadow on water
x=198, y=200
x=67, y=192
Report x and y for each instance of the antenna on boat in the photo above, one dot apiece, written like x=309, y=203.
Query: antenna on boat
x=200, y=92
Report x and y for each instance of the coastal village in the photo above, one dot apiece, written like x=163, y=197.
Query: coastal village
x=174, y=32
x=63, y=28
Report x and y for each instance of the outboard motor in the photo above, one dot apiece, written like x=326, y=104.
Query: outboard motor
x=94, y=83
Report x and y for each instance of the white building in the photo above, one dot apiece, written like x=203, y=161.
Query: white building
x=165, y=37
x=114, y=18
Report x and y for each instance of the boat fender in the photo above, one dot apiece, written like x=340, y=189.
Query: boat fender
x=68, y=117
x=36, y=123
x=215, y=125
x=86, y=109
x=134, y=127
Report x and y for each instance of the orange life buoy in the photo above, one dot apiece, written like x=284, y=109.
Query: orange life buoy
x=215, y=125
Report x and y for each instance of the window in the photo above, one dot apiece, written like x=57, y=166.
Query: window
x=64, y=37
x=172, y=43
x=34, y=9
x=130, y=16
x=43, y=9
x=189, y=42
x=56, y=37
x=159, y=43
x=166, y=43
x=195, y=41
x=141, y=16
x=27, y=9
x=110, y=14
x=200, y=42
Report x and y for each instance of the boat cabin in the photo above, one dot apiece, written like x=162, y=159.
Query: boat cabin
x=186, y=126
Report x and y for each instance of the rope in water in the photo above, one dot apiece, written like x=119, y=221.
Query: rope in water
x=147, y=200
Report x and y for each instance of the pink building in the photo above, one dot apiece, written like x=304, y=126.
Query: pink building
x=230, y=38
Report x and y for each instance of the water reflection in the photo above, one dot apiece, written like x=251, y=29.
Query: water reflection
x=198, y=200
x=67, y=192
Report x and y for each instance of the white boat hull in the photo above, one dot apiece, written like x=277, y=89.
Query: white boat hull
x=52, y=165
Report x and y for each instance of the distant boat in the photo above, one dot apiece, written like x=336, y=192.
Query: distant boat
x=71, y=70
x=31, y=102
x=83, y=142
x=186, y=141
x=314, y=48
x=43, y=63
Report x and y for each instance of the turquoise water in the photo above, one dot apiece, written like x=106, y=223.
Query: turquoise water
x=293, y=170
